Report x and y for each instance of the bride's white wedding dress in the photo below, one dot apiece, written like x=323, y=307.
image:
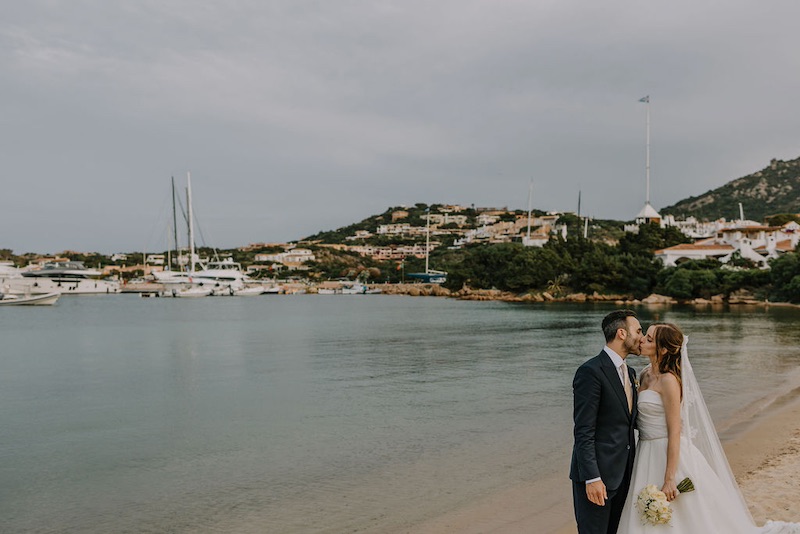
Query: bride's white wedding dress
x=713, y=507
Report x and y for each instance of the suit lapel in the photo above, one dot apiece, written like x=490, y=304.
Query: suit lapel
x=616, y=384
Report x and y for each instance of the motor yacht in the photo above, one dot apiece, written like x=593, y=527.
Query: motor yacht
x=67, y=277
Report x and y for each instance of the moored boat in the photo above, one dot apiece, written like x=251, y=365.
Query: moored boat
x=42, y=299
x=65, y=277
x=189, y=292
x=251, y=291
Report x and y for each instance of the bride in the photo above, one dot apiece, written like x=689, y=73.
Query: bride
x=677, y=439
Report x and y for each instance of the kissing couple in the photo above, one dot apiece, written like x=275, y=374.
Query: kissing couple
x=676, y=440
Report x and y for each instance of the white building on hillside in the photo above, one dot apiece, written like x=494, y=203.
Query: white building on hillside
x=401, y=229
x=441, y=219
x=293, y=256
x=393, y=252
x=648, y=215
x=753, y=242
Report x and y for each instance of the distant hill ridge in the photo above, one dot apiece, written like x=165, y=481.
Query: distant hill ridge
x=772, y=190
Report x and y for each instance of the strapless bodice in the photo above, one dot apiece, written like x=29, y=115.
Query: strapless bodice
x=652, y=423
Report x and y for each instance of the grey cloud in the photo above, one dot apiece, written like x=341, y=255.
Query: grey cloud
x=300, y=116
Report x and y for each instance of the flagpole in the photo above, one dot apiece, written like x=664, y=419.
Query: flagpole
x=646, y=100
x=648, y=151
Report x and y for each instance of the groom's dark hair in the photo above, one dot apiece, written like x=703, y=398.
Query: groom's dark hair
x=614, y=321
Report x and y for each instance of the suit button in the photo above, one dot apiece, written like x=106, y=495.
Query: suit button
x=629, y=447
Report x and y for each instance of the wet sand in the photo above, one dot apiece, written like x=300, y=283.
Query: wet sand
x=764, y=455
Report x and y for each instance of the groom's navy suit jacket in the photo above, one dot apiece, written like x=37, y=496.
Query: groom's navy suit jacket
x=604, y=439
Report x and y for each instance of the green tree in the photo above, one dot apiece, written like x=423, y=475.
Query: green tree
x=754, y=280
x=785, y=277
x=782, y=218
x=678, y=284
x=650, y=238
x=691, y=279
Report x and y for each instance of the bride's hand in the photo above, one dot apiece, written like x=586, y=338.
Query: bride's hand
x=670, y=489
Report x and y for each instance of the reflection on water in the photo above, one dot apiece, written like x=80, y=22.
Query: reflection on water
x=314, y=414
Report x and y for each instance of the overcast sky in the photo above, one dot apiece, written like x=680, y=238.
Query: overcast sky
x=298, y=116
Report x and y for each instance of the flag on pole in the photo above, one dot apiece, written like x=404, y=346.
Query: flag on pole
x=645, y=99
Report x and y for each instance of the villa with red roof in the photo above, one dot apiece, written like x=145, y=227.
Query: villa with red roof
x=753, y=242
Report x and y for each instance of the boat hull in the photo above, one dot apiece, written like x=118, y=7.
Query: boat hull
x=65, y=286
x=45, y=299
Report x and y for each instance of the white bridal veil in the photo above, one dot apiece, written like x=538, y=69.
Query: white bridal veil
x=698, y=428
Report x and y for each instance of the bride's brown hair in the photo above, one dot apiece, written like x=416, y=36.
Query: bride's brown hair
x=669, y=338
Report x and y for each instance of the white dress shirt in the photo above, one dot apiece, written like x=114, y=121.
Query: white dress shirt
x=617, y=360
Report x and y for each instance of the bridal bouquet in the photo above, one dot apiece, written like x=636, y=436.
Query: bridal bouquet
x=653, y=505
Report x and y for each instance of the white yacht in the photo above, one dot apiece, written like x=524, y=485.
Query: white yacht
x=8, y=274
x=171, y=277
x=220, y=277
x=66, y=277
x=191, y=291
x=225, y=273
x=223, y=277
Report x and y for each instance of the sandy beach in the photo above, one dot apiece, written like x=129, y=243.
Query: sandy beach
x=764, y=455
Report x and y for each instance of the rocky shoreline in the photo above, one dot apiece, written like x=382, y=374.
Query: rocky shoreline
x=466, y=293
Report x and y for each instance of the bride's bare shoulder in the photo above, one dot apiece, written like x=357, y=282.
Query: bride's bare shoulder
x=669, y=378
x=670, y=384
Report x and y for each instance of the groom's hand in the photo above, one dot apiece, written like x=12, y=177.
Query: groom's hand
x=596, y=492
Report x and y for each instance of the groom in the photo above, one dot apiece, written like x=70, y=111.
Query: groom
x=604, y=415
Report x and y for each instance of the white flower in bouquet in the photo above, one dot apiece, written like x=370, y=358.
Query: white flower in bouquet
x=653, y=505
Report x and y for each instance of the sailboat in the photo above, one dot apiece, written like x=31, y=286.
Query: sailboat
x=182, y=283
x=429, y=276
x=221, y=278
x=168, y=276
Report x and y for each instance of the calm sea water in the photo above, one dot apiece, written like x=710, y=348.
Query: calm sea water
x=314, y=413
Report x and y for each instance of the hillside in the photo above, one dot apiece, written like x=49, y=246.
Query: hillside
x=462, y=221
x=772, y=190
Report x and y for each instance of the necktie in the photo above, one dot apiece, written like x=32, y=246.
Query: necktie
x=626, y=382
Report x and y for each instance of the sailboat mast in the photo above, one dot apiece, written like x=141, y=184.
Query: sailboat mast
x=191, y=221
x=169, y=253
x=174, y=223
x=530, y=195
x=428, y=239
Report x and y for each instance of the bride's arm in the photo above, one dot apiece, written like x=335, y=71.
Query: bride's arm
x=671, y=397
